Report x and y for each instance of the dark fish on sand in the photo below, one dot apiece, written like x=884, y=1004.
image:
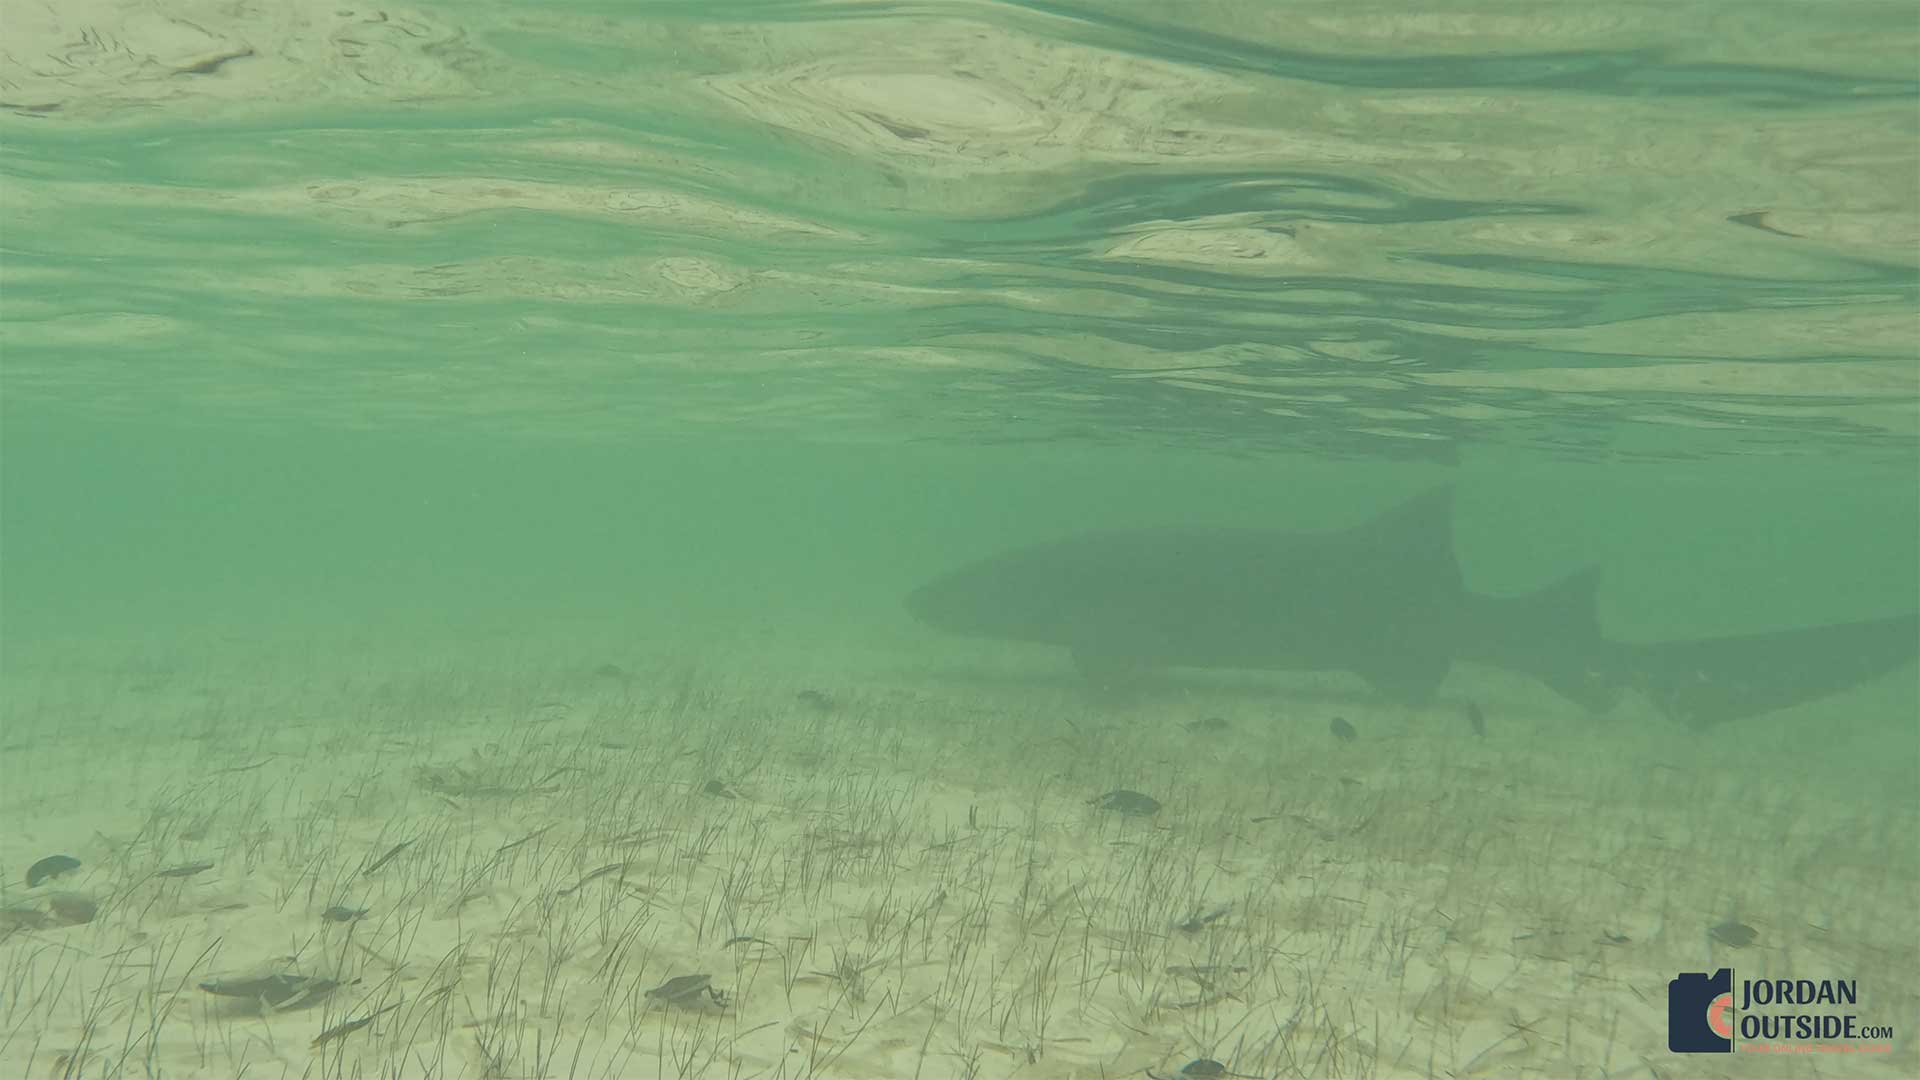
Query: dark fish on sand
x=1735, y=934
x=51, y=867
x=1129, y=803
x=817, y=700
x=281, y=990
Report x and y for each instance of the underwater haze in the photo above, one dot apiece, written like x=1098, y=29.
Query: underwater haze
x=824, y=538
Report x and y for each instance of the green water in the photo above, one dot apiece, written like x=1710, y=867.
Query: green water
x=749, y=304
x=516, y=340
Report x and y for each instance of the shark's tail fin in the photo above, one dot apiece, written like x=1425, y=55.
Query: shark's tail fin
x=1710, y=680
x=1552, y=634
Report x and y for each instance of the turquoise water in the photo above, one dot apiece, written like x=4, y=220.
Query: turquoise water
x=402, y=271
x=404, y=368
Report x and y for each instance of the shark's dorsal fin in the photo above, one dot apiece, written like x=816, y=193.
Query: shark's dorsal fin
x=1428, y=516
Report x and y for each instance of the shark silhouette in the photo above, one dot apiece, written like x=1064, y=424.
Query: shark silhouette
x=1383, y=600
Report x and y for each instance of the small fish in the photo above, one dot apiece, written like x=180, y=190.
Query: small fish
x=1757, y=219
x=687, y=990
x=1342, y=730
x=1476, y=719
x=349, y=1027
x=51, y=867
x=337, y=913
x=719, y=789
x=185, y=870
x=1737, y=935
x=592, y=875
x=213, y=63
x=278, y=991
x=817, y=700
x=388, y=857
x=1206, y=725
x=1130, y=803
x=1199, y=922
x=1209, y=1069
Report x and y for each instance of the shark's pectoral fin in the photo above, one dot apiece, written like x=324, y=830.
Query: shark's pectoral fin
x=1408, y=674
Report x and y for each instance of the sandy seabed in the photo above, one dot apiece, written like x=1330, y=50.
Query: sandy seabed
x=503, y=869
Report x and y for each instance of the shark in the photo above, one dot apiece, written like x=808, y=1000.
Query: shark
x=1384, y=600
